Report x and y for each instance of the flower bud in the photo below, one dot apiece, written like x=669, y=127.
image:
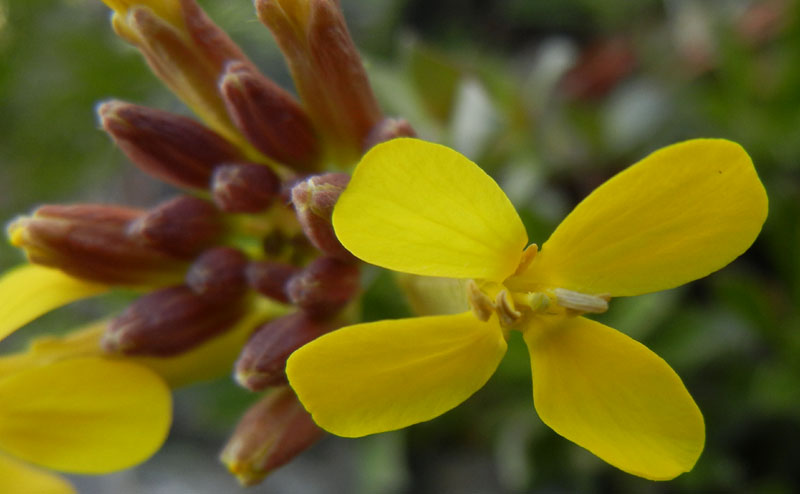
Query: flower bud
x=186, y=50
x=269, y=117
x=314, y=199
x=91, y=241
x=271, y=433
x=244, y=187
x=169, y=321
x=386, y=130
x=170, y=147
x=269, y=278
x=324, y=287
x=182, y=226
x=326, y=69
x=219, y=274
x=262, y=362
x=172, y=57
x=213, y=43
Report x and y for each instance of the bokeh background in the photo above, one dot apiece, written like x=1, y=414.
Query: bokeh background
x=551, y=97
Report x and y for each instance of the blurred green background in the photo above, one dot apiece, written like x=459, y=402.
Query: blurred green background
x=551, y=97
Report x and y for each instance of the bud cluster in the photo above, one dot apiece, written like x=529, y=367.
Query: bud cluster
x=253, y=227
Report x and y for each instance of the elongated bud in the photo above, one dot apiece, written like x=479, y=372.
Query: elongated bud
x=182, y=226
x=169, y=321
x=262, y=362
x=91, y=241
x=212, y=42
x=271, y=433
x=313, y=201
x=327, y=70
x=269, y=278
x=269, y=117
x=170, y=147
x=187, y=53
x=244, y=187
x=388, y=129
x=219, y=274
x=324, y=287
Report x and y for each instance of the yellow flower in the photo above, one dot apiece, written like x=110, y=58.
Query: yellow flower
x=416, y=207
x=87, y=415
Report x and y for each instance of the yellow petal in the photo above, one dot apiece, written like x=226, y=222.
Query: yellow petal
x=18, y=478
x=433, y=296
x=85, y=415
x=30, y=291
x=385, y=375
x=422, y=208
x=679, y=214
x=610, y=394
x=48, y=349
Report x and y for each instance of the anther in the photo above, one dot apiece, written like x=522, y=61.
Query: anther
x=506, y=311
x=581, y=302
x=482, y=306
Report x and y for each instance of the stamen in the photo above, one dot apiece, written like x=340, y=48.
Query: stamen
x=581, y=302
x=480, y=303
x=506, y=311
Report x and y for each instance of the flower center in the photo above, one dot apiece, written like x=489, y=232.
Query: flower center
x=513, y=307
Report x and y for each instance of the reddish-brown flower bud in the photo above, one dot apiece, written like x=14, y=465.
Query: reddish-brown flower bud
x=212, y=42
x=262, y=362
x=313, y=201
x=269, y=278
x=244, y=187
x=182, y=226
x=271, y=433
x=170, y=147
x=327, y=71
x=169, y=321
x=388, y=129
x=91, y=241
x=218, y=274
x=187, y=52
x=324, y=287
x=269, y=117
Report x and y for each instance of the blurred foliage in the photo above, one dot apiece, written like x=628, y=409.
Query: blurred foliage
x=551, y=97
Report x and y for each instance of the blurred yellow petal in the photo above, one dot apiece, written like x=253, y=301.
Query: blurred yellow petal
x=386, y=375
x=611, y=395
x=18, y=478
x=86, y=415
x=679, y=214
x=30, y=291
x=45, y=350
x=422, y=208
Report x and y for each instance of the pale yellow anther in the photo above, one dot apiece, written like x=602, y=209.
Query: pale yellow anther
x=581, y=302
x=479, y=302
x=506, y=310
